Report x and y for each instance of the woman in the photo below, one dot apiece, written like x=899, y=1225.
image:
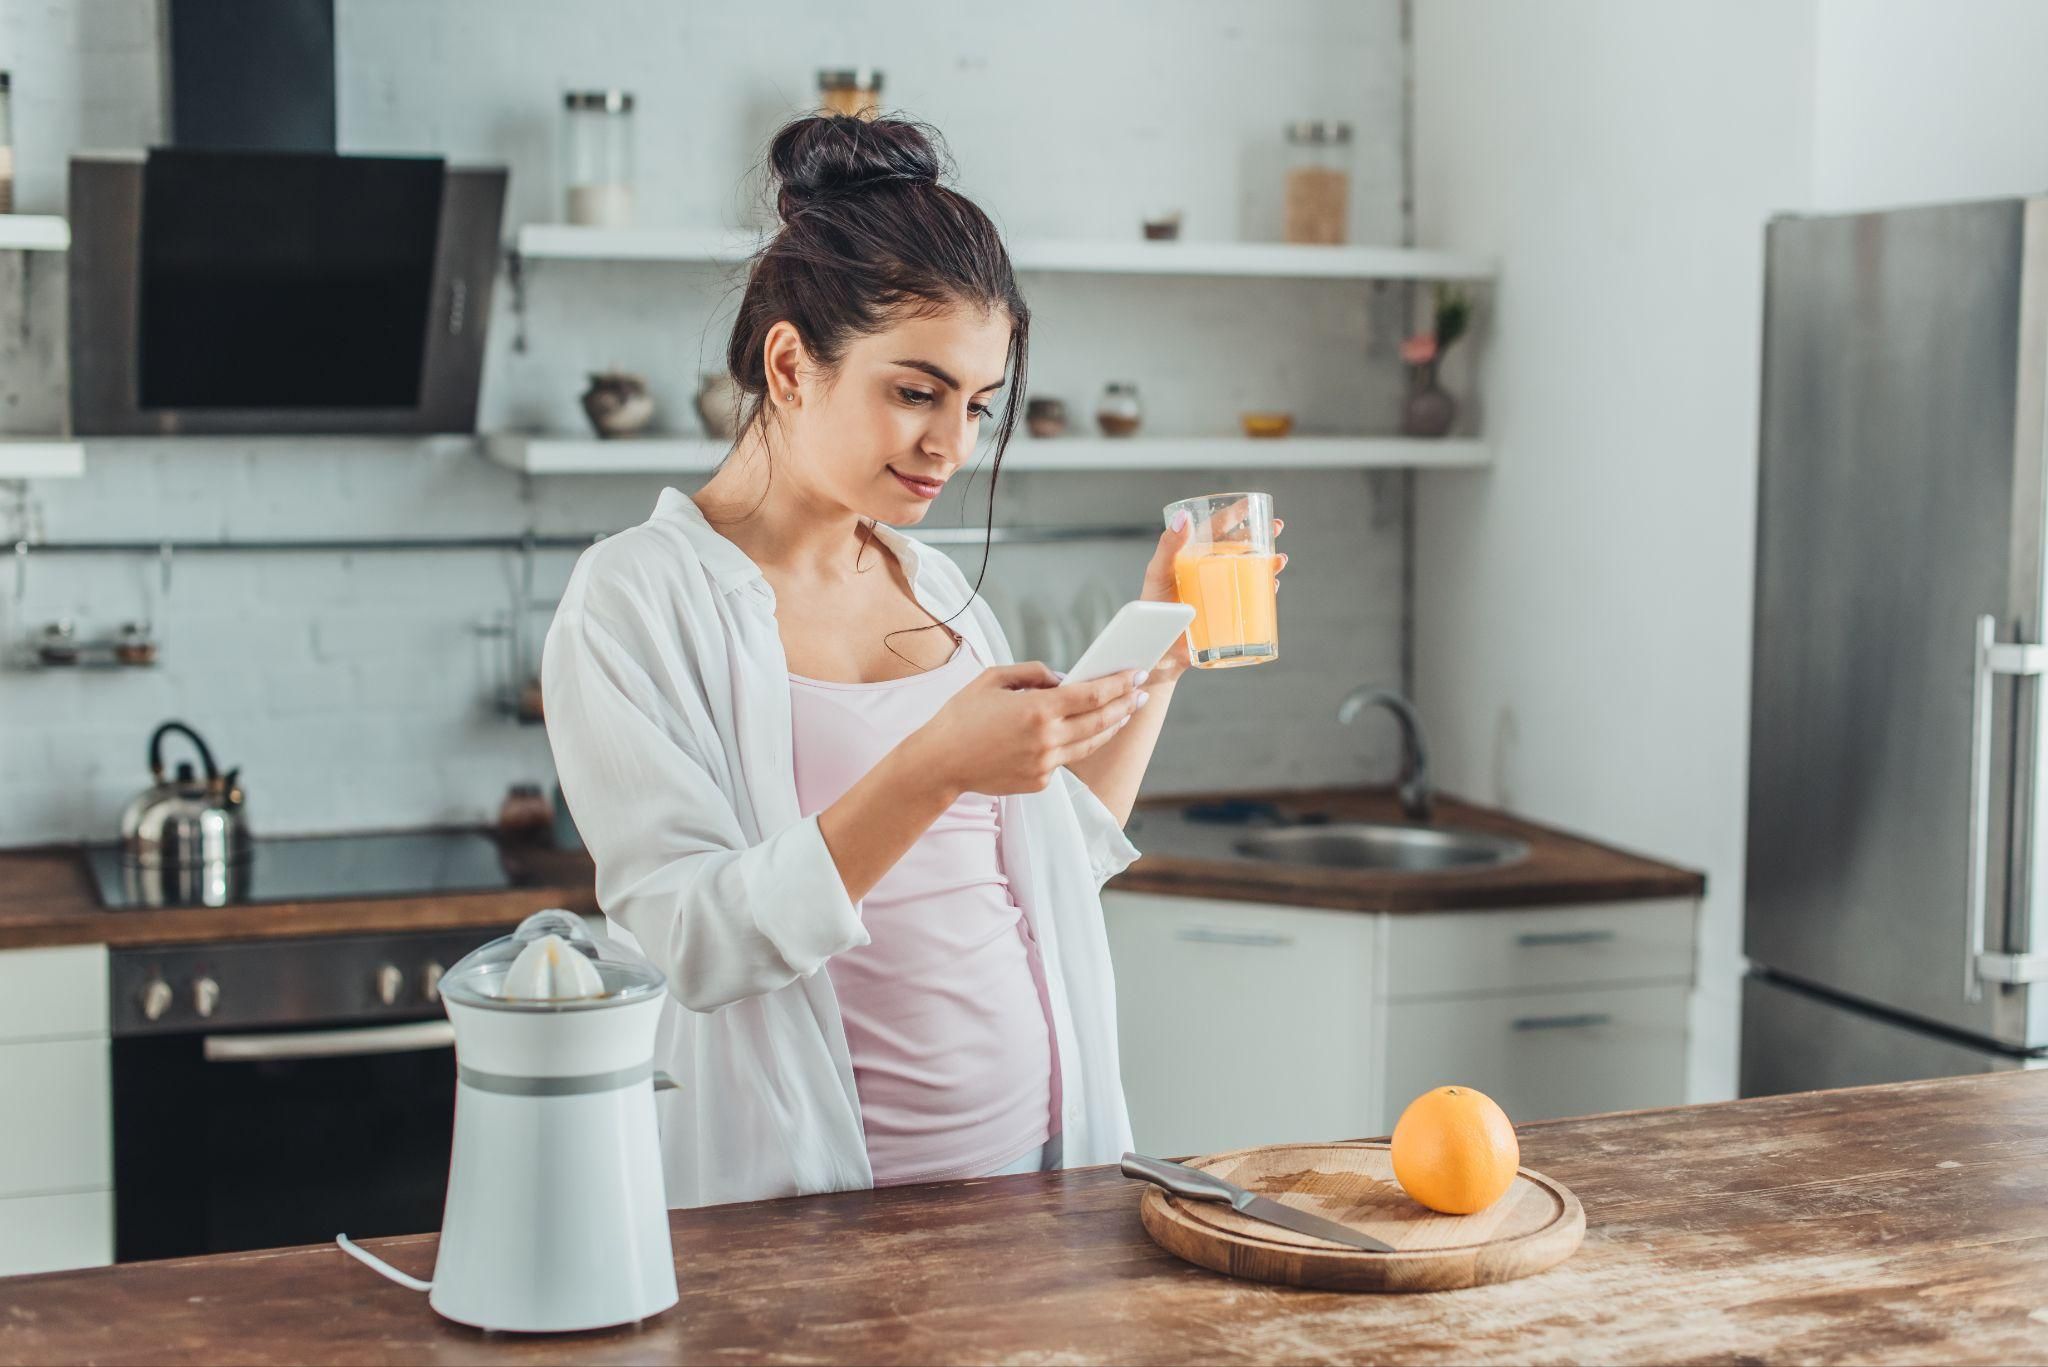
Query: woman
x=864, y=845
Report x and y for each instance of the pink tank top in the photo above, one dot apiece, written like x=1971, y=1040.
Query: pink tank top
x=945, y=1009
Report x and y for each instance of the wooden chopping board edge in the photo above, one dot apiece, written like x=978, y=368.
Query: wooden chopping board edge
x=1194, y=1231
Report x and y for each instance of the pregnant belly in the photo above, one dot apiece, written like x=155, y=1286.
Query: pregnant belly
x=952, y=1055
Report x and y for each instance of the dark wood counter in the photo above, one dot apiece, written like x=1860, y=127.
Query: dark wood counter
x=1888, y=1224
x=47, y=898
x=1560, y=868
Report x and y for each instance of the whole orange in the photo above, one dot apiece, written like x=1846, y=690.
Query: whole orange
x=1454, y=1150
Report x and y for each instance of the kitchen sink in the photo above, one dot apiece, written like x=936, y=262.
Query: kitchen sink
x=1378, y=846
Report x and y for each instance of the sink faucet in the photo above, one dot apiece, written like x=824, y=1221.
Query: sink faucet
x=1418, y=799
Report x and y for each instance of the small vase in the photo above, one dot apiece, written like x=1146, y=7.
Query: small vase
x=1429, y=410
x=718, y=405
x=618, y=404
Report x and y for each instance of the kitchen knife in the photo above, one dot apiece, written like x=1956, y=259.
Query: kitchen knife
x=1197, y=1185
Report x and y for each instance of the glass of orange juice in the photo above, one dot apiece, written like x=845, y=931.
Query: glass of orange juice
x=1225, y=573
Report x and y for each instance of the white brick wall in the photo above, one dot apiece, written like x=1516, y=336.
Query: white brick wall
x=355, y=691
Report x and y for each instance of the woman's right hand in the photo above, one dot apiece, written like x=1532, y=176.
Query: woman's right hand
x=1014, y=726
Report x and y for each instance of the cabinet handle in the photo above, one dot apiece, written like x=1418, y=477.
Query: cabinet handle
x=1538, y=939
x=1583, y=1021
x=1204, y=935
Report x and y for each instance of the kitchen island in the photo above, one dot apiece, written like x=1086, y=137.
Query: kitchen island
x=1905, y=1223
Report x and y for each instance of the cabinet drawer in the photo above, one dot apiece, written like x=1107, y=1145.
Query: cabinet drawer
x=55, y=1233
x=1241, y=1023
x=54, y=993
x=1521, y=951
x=57, y=1133
x=1543, y=1054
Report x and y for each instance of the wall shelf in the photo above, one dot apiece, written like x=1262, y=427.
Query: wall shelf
x=1247, y=259
x=34, y=233
x=567, y=242
x=41, y=458
x=534, y=453
x=541, y=454
x=1277, y=453
x=554, y=241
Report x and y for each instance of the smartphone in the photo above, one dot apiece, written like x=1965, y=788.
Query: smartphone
x=1134, y=639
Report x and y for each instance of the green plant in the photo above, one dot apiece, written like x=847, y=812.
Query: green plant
x=1453, y=314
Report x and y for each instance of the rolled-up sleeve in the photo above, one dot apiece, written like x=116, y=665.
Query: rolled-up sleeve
x=1110, y=851
x=724, y=918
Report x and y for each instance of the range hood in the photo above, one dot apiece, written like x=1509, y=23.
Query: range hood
x=248, y=278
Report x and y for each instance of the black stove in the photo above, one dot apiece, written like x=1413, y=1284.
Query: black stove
x=317, y=868
x=273, y=1090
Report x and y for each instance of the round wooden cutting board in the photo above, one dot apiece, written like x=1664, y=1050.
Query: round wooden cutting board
x=1536, y=1225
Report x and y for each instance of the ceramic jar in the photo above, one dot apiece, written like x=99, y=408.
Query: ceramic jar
x=1045, y=416
x=718, y=405
x=618, y=404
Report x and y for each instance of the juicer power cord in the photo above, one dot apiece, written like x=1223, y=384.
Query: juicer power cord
x=379, y=1266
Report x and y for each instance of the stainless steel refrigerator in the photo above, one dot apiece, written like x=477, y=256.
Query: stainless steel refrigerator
x=1897, y=801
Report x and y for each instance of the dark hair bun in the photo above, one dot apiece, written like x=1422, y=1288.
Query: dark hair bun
x=829, y=155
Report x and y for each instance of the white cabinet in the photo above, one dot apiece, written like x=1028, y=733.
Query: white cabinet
x=1241, y=1023
x=1543, y=1054
x=1456, y=953
x=56, y=1233
x=56, y=1135
x=56, y=1139
x=1246, y=1023
x=58, y=993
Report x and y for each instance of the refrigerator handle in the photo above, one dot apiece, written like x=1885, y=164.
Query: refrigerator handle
x=1992, y=659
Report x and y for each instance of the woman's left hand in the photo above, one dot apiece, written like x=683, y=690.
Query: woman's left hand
x=1159, y=588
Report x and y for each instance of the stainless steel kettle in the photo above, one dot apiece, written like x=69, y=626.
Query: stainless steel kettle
x=188, y=837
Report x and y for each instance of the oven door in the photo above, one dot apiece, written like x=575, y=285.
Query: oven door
x=257, y=1139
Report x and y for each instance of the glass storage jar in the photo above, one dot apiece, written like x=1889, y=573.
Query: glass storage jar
x=854, y=91
x=1118, y=412
x=1318, y=181
x=597, y=158
x=58, y=645
x=135, y=646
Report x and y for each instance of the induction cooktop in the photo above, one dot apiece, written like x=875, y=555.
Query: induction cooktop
x=313, y=868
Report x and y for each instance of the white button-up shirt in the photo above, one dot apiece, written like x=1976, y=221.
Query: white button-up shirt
x=667, y=698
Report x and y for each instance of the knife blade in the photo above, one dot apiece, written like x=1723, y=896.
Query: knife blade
x=1196, y=1185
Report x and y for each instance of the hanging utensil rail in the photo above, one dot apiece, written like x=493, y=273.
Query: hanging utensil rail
x=531, y=541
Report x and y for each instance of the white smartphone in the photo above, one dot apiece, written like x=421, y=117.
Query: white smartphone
x=1134, y=639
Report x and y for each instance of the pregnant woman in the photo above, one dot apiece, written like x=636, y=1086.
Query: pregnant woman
x=865, y=846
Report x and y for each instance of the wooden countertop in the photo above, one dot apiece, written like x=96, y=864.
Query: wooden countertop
x=47, y=898
x=1560, y=868
x=1885, y=1224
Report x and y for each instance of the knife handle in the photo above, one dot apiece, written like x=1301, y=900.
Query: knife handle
x=1178, y=1178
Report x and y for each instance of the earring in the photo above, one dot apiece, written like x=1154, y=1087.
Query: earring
x=790, y=397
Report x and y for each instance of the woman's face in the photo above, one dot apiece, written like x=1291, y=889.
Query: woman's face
x=902, y=413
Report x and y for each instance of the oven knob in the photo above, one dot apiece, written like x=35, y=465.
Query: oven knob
x=390, y=981
x=205, y=996
x=430, y=981
x=156, y=999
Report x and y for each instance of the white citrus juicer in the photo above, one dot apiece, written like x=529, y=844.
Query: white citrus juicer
x=556, y=1217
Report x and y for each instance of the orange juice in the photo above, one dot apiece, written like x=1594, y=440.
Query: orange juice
x=1230, y=587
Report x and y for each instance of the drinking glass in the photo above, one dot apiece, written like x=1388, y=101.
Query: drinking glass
x=1225, y=573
